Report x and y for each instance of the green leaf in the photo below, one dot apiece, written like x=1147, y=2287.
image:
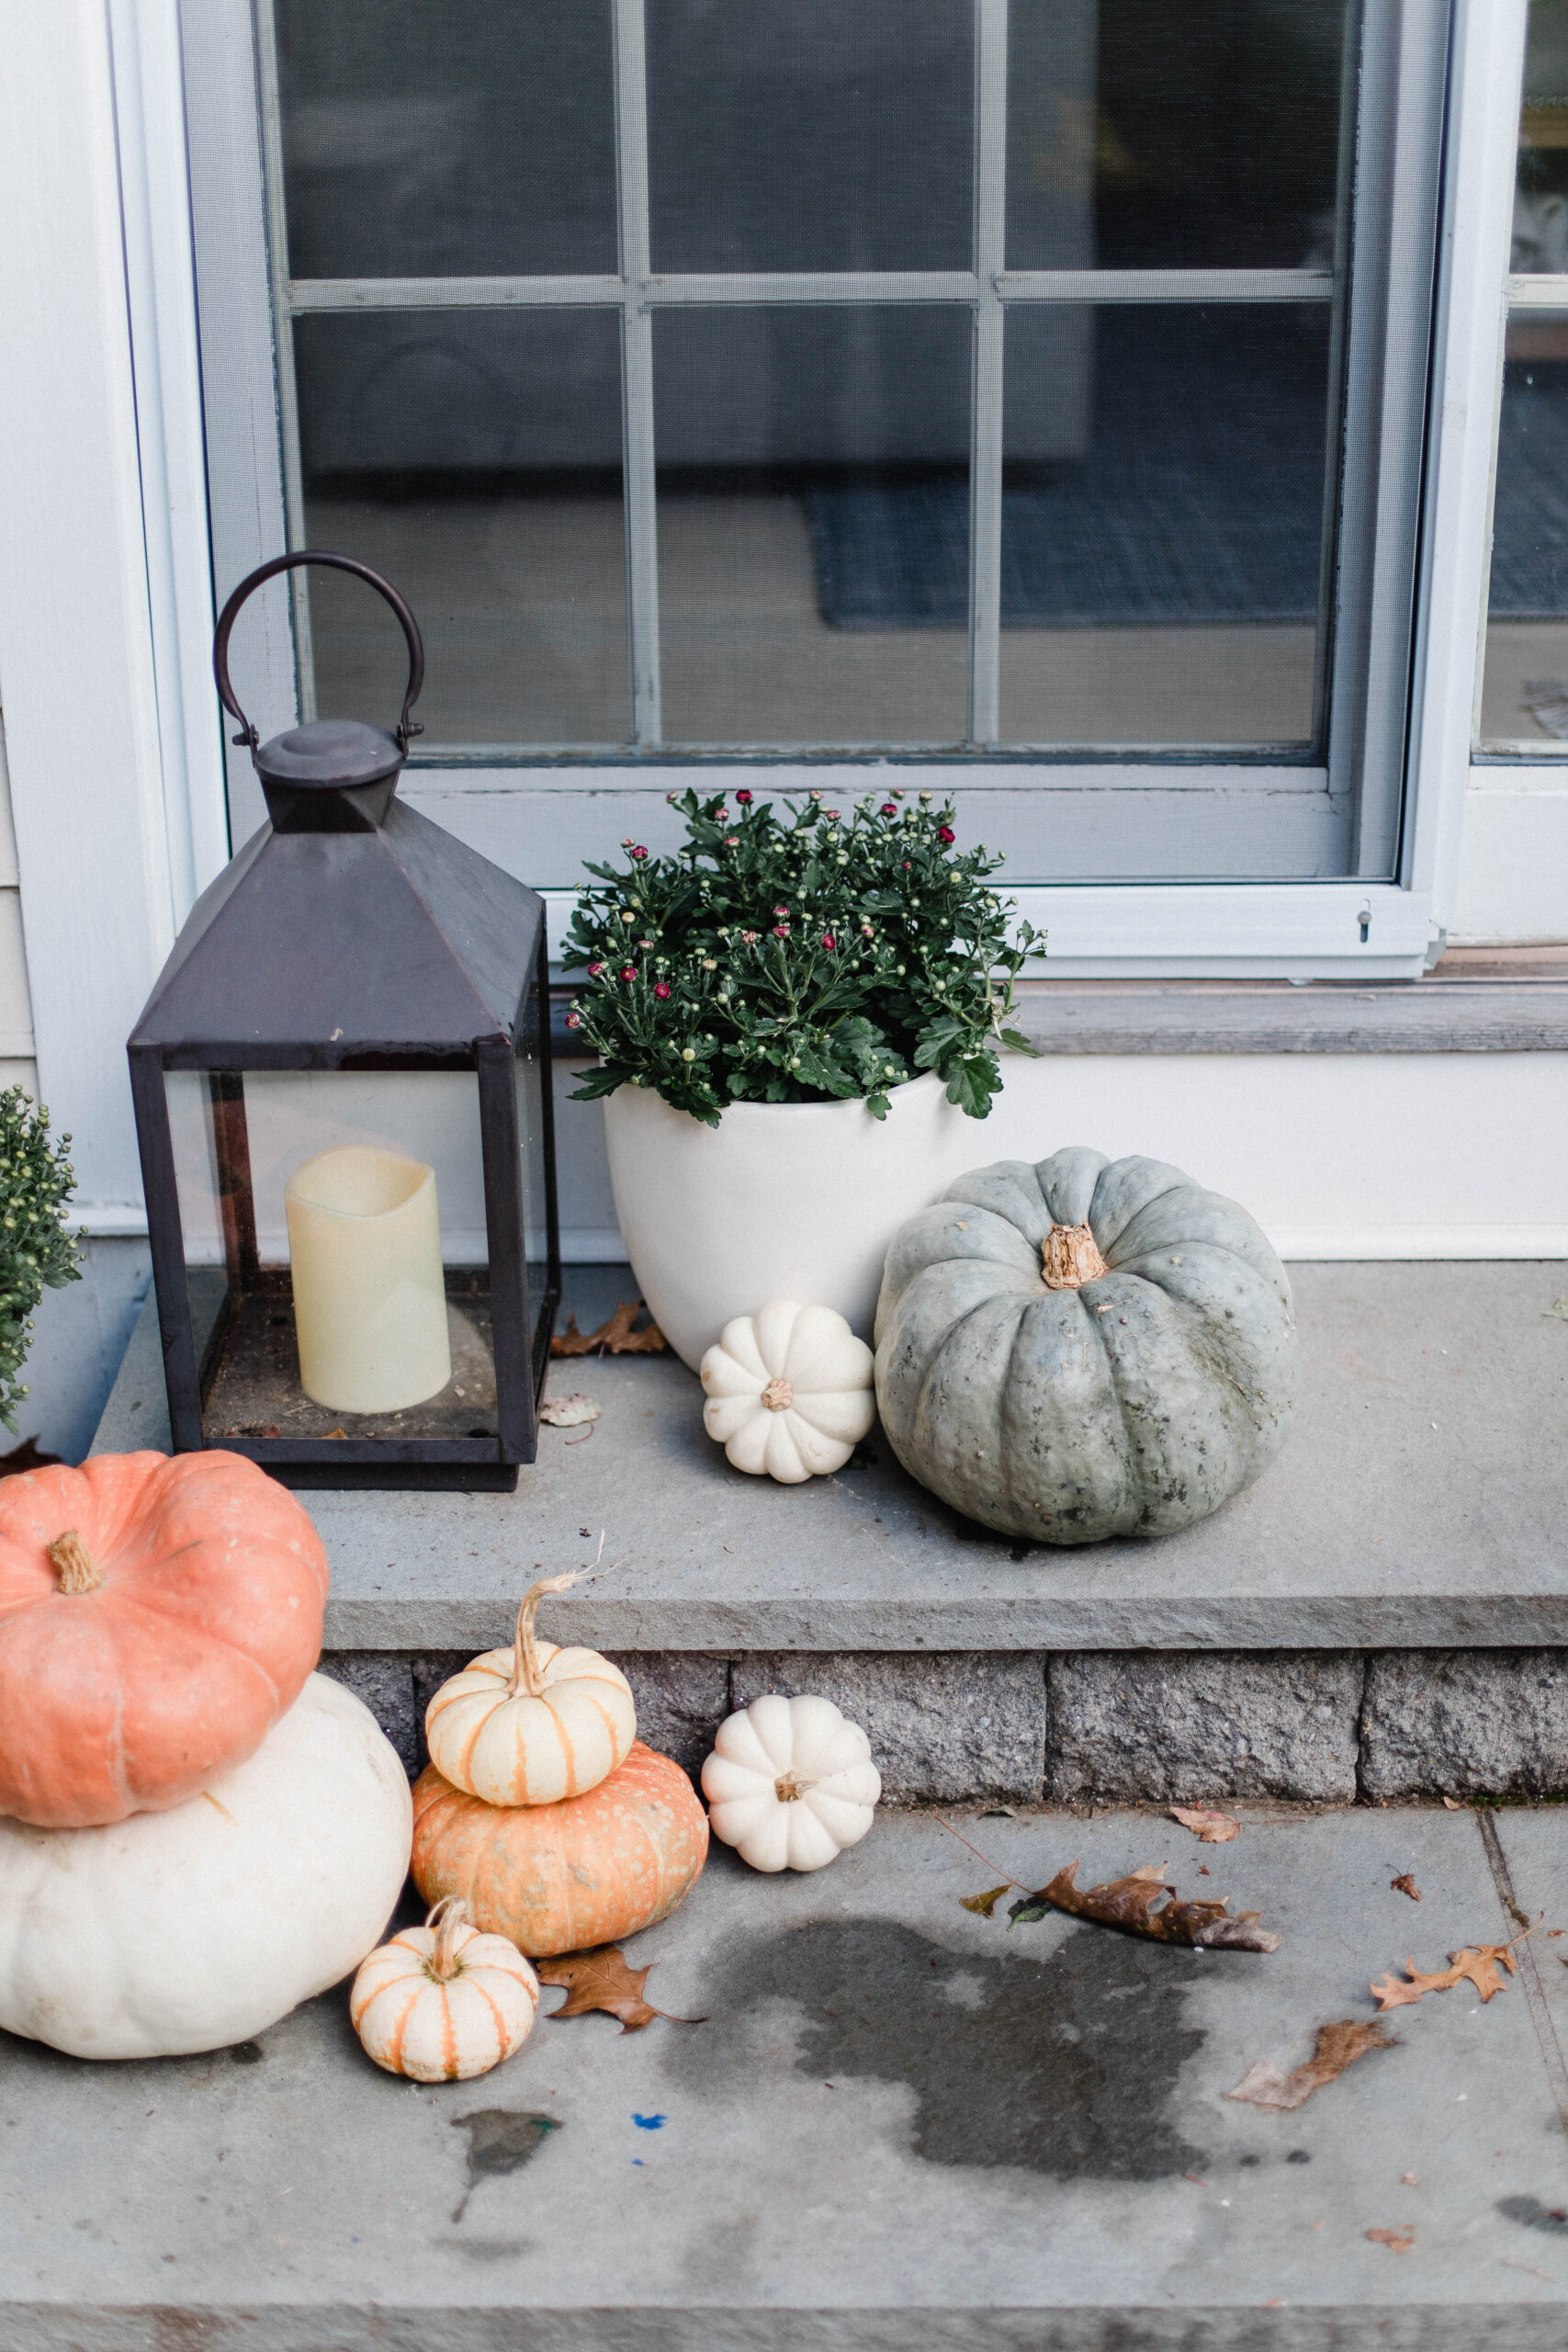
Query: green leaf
x=971, y=1083
x=597, y=1083
x=1029, y=1908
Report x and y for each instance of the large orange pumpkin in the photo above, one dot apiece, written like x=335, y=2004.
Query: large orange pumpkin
x=157, y=1617
x=561, y=1877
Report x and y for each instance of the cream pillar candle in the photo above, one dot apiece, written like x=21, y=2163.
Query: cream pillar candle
x=369, y=1300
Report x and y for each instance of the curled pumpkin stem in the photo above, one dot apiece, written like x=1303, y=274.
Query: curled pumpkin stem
x=73, y=1563
x=528, y=1674
x=448, y=1918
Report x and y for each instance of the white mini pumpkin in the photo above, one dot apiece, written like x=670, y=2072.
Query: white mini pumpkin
x=442, y=2003
x=790, y=1783
x=790, y=1391
x=533, y=1723
x=190, y=1930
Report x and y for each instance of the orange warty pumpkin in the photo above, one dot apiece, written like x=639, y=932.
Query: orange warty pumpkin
x=562, y=1877
x=157, y=1617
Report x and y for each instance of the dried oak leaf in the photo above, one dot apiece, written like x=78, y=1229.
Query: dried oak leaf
x=600, y=1980
x=1397, y=2240
x=1477, y=1964
x=984, y=1906
x=616, y=1336
x=1337, y=2046
x=1405, y=1884
x=1128, y=1903
x=1213, y=1828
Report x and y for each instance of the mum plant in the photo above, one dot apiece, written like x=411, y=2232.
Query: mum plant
x=798, y=955
x=36, y=1251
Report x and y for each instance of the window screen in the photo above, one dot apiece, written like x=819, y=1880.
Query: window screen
x=1524, y=702
x=823, y=373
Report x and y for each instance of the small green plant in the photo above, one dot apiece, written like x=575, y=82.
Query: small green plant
x=36, y=1251
x=813, y=954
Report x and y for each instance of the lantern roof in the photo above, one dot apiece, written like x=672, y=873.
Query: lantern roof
x=315, y=949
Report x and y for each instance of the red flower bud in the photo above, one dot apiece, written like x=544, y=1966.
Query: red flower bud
x=887, y=810
x=594, y=971
x=781, y=930
x=628, y=971
x=661, y=990
x=744, y=798
x=639, y=851
x=945, y=833
x=574, y=1020
x=828, y=940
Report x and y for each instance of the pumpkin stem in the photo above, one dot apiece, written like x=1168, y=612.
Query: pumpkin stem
x=790, y=1787
x=528, y=1674
x=1070, y=1257
x=448, y=1918
x=778, y=1395
x=75, y=1565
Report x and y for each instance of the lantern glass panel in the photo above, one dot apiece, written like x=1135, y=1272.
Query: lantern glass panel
x=337, y=1257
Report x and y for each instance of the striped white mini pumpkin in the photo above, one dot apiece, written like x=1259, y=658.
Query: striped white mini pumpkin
x=442, y=2003
x=533, y=1723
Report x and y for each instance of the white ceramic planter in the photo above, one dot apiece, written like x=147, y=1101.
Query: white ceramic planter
x=786, y=1200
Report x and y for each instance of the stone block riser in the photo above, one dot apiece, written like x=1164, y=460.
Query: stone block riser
x=1329, y=1726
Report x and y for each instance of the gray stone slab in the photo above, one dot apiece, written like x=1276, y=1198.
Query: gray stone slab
x=900, y=2124
x=1128, y=1728
x=1429, y=1016
x=943, y=1729
x=1420, y=1502
x=1465, y=1723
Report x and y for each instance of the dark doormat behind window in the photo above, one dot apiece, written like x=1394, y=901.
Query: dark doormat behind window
x=1199, y=499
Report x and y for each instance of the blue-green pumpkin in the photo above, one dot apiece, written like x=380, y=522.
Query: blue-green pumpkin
x=1084, y=1348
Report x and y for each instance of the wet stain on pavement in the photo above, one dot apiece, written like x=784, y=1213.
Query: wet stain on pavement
x=501, y=2140
x=1534, y=2215
x=1063, y=2065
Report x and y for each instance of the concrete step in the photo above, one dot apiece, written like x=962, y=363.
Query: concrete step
x=900, y=2124
x=1380, y=1616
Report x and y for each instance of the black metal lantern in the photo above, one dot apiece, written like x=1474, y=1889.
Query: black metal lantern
x=342, y=1105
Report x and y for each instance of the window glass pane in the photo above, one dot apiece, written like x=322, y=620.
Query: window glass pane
x=810, y=134
x=476, y=139
x=1524, y=703
x=474, y=458
x=1162, y=515
x=1207, y=135
x=813, y=520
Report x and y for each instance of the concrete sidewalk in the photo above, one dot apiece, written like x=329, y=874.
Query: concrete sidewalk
x=900, y=2124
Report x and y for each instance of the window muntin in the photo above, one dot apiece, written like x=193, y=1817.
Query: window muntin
x=1070, y=199
x=1524, y=694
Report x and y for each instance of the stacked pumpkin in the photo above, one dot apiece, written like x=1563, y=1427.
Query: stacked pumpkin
x=199, y=1832
x=540, y=1809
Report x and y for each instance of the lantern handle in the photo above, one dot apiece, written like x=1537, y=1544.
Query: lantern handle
x=406, y=728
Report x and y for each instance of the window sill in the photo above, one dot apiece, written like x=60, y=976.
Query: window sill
x=1450, y=1011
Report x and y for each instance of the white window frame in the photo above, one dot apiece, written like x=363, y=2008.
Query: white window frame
x=109, y=556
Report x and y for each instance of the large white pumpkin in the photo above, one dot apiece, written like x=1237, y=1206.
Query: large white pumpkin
x=190, y=1930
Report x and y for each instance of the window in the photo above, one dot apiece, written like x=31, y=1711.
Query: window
x=1032, y=390
x=1524, y=701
